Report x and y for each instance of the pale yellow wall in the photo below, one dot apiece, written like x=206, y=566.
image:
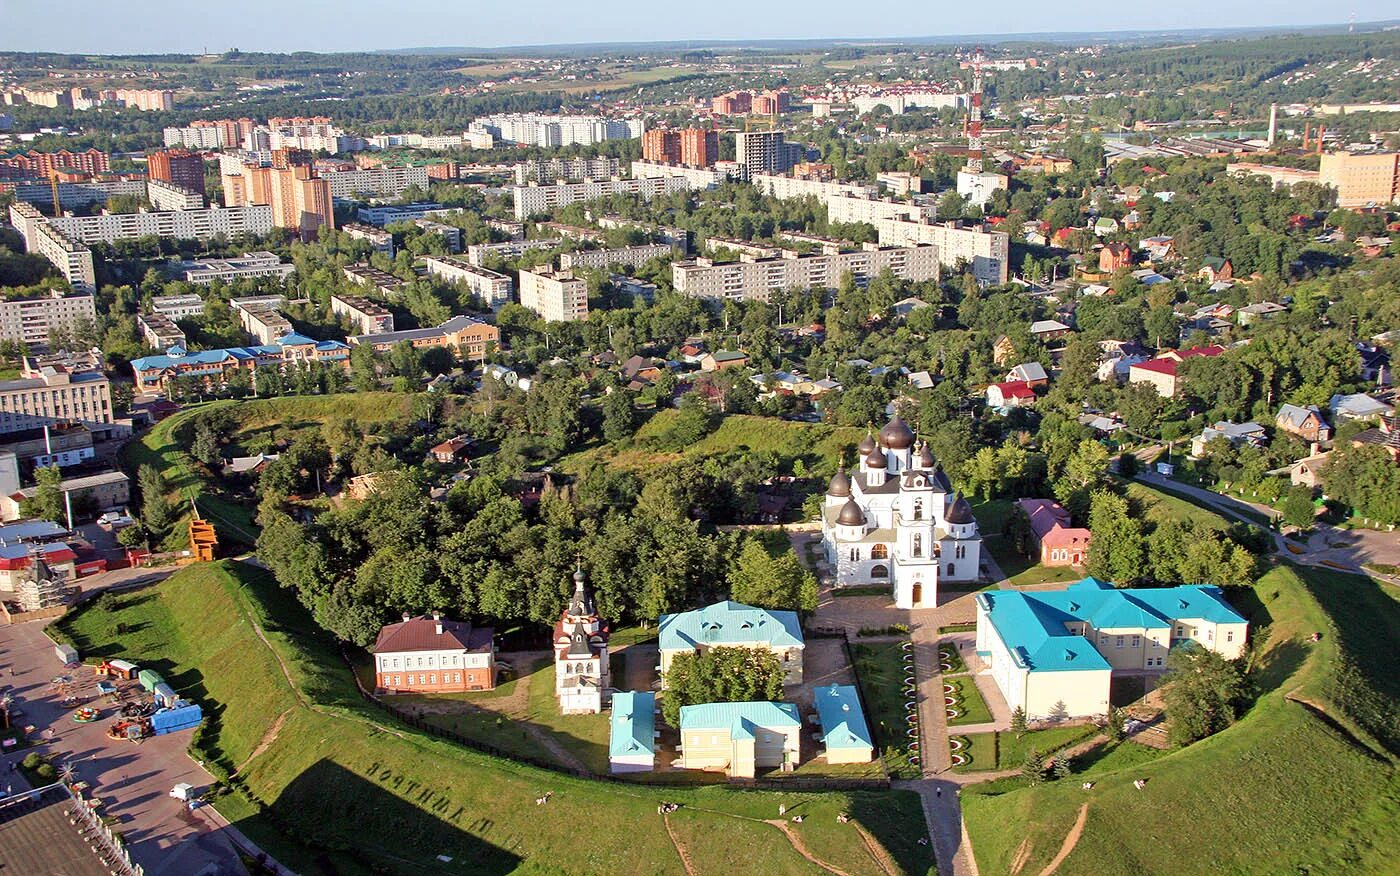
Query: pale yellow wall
x=1082, y=692
x=708, y=749
x=849, y=755
x=1150, y=644
x=703, y=749
x=1165, y=384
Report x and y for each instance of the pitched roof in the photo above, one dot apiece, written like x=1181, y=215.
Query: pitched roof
x=1029, y=371
x=633, y=724
x=1015, y=389
x=842, y=719
x=1296, y=416
x=420, y=634
x=729, y=623
x=741, y=719
x=1048, y=325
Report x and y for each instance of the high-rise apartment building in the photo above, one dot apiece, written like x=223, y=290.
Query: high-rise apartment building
x=300, y=200
x=556, y=296
x=1363, y=179
x=988, y=253
x=72, y=258
x=661, y=146
x=759, y=152
x=533, y=129
x=180, y=167
x=732, y=104
x=38, y=165
x=772, y=103
x=699, y=147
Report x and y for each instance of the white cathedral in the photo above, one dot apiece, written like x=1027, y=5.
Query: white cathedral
x=897, y=521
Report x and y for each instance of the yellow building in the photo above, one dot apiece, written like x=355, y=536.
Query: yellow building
x=300, y=200
x=1362, y=179
x=1054, y=654
x=740, y=738
x=734, y=625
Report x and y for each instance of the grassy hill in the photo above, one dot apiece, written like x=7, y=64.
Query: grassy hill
x=813, y=442
x=166, y=447
x=1305, y=782
x=332, y=786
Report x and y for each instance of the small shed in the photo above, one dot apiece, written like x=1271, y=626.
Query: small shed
x=149, y=678
x=164, y=694
x=67, y=654
x=632, y=741
x=844, y=730
x=120, y=669
x=182, y=716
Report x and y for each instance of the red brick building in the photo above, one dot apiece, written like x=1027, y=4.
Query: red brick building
x=1057, y=543
x=1114, y=256
x=699, y=147
x=38, y=164
x=179, y=167
x=661, y=146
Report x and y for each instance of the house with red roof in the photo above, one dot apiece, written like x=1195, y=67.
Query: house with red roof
x=1058, y=543
x=430, y=654
x=1161, y=372
x=1114, y=256
x=1011, y=394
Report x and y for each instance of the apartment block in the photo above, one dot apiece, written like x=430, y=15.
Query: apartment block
x=168, y=196
x=250, y=264
x=783, y=187
x=369, y=318
x=388, y=214
x=534, y=129
x=850, y=209
x=556, y=296
x=548, y=170
x=1362, y=179
x=383, y=282
x=73, y=259
x=450, y=234
x=299, y=200
x=73, y=195
x=633, y=256
x=178, y=306
x=699, y=147
x=696, y=178
x=260, y=318
x=535, y=199
x=29, y=320
x=732, y=104
x=384, y=181
x=45, y=395
x=256, y=220
x=478, y=253
x=661, y=146
x=379, y=239
x=754, y=278
x=987, y=252
x=179, y=167
x=38, y=165
x=492, y=288
x=159, y=331
x=765, y=152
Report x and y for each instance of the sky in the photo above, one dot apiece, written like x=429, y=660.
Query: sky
x=188, y=26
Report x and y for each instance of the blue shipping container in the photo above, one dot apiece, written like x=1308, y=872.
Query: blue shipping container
x=180, y=718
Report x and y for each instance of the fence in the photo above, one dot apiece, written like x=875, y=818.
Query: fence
x=814, y=783
x=104, y=843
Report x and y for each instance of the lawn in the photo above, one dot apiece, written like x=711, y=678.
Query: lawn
x=980, y=750
x=1004, y=750
x=165, y=446
x=1290, y=788
x=973, y=708
x=343, y=788
x=948, y=654
x=1160, y=505
x=880, y=671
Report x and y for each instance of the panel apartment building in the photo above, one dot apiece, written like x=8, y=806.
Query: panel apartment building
x=988, y=252
x=1363, y=179
x=382, y=182
x=533, y=129
x=178, y=224
x=29, y=320
x=548, y=170
x=633, y=256
x=492, y=288
x=556, y=296
x=53, y=394
x=533, y=199
x=73, y=259
x=251, y=264
x=755, y=279
x=369, y=318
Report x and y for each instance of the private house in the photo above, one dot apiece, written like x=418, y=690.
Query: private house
x=1309, y=471
x=1047, y=330
x=632, y=733
x=896, y=520
x=906, y=306
x=1215, y=269
x=740, y=738
x=1031, y=373
x=845, y=734
x=1238, y=434
x=1385, y=436
x=1003, y=350
x=1357, y=406
x=723, y=360
x=1011, y=394
x=249, y=466
x=1305, y=422
x=733, y=625
x=1114, y=256
x=640, y=368
x=1264, y=310
x=582, y=677
x=433, y=655
x=1158, y=249
x=452, y=450
x=1375, y=364
x=1105, y=225
x=1053, y=539
x=1161, y=372
x=1054, y=653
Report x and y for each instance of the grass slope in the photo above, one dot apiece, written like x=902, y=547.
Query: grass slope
x=343, y=789
x=1290, y=788
x=164, y=448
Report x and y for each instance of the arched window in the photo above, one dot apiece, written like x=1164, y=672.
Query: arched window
x=879, y=552
x=880, y=571
x=918, y=509
x=950, y=570
x=855, y=555
x=918, y=544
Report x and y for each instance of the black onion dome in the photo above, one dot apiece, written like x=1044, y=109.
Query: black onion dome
x=840, y=484
x=851, y=515
x=897, y=435
x=961, y=512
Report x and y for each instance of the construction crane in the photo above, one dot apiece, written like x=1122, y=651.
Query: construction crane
x=53, y=186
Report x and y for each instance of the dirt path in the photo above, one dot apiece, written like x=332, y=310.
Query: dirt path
x=801, y=848
x=1071, y=839
x=1023, y=853
x=877, y=851
x=268, y=738
x=680, y=849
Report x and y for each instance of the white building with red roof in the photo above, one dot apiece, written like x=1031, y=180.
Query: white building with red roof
x=582, y=678
x=431, y=655
x=1161, y=372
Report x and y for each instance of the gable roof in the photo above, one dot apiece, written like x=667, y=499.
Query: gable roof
x=633, y=724
x=1029, y=371
x=729, y=623
x=1296, y=416
x=1015, y=389
x=1047, y=325
x=740, y=719
x=842, y=719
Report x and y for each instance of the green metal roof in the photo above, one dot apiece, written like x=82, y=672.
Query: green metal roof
x=740, y=719
x=729, y=623
x=633, y=724
x=843, y=720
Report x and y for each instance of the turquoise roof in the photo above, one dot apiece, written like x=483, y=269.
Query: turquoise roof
x=843, y=720
x=740, y=719
x=1033, y=625
x=729, y=623
x=242, y=354
x=633, y=724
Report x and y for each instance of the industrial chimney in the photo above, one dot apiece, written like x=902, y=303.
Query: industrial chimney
x=1273, y=124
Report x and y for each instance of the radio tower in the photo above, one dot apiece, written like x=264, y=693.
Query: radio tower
x=974, y=115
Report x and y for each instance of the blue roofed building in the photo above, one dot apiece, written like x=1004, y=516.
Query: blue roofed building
x=740, y=738
x=845, y=732
x=214, y=367
x=632, y=739
x=1055, y=653
x=733, y=624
